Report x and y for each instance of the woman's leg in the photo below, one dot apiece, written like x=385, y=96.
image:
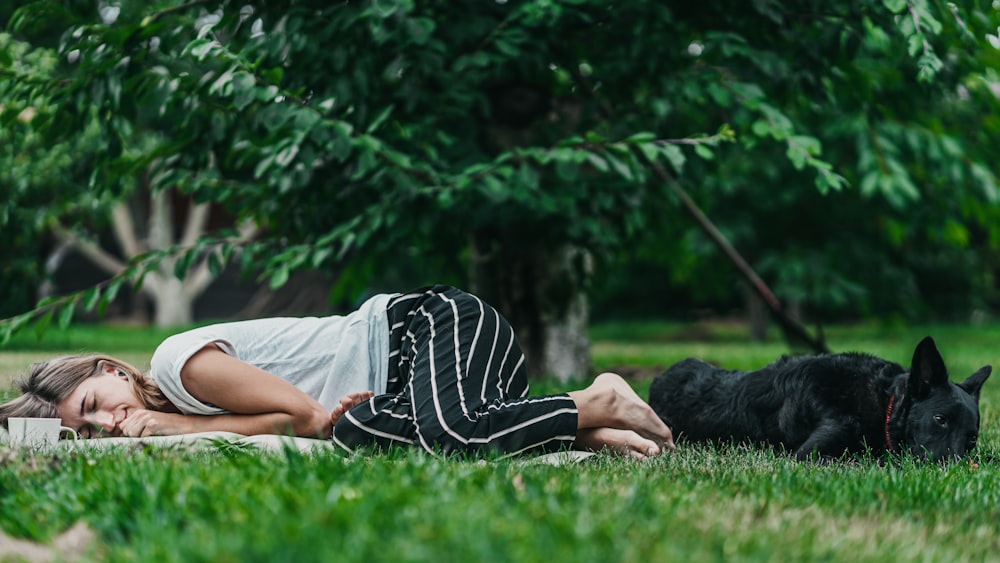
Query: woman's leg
x=608, y=406
x=469, y=383
x=457, y=383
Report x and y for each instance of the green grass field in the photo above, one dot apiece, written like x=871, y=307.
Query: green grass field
x=696, y=504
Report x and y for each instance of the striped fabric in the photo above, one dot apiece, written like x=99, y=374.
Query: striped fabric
x=457, y=383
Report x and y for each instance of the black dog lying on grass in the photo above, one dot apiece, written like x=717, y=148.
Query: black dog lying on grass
x=826, y=405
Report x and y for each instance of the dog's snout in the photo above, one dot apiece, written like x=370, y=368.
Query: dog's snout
x=946, y=455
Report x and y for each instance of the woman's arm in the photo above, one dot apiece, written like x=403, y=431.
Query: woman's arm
x=260, y=402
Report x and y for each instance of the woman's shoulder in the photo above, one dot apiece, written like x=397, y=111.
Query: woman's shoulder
x=174, y=351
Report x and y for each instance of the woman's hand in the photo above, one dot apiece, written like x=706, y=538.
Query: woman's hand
x=348, y=402
x=141, y=423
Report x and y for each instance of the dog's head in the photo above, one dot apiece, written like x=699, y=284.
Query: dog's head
x=942, y=418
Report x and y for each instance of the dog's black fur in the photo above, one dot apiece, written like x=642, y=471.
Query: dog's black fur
x=826, y=405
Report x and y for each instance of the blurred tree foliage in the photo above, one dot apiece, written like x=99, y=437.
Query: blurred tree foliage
x=36, y=176
x=908, y=126
x=379, y=133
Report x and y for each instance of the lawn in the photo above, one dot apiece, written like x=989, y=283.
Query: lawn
x=696, y=504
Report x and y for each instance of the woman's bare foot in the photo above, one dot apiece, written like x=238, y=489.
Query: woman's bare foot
x=623, y=442
x=610, y=402
x=348, y=402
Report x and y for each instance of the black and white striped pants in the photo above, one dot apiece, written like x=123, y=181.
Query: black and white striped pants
x=457, y=383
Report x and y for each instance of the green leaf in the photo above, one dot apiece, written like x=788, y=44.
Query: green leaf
x=640, y=137
x=222, y=85
x=199, y=48
x=262, y=166
x=379, y=119
x=620, y=167
x=339, y=148
x=274, y=75
x=43, y=323
x=279, y=277
x=895, y=6
x=507, y=48
x=183, y=264
x=761, y=128
x=286, y=155
x=384, y=8
x=869, y=183
x=597, y=162
x=327, y=104
x=914, y=43
x=47, y=301
x=365, y=163
x=273, y=116
x=109, y=295
x=244, y=89
x=90, y=298
x=214, y=264
x=320, y=255
x=305, y=120
x=420, y=29
x=704, y=152
x=66, y=316
x=674, y=155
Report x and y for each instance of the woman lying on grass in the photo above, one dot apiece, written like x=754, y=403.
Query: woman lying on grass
x=435, y=367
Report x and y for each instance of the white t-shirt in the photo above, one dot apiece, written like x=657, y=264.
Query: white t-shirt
x=326, y=357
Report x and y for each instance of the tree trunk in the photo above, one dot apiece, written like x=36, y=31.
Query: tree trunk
x=757, y=313
x=143, y=226
x=539, y=286
x=566, y=345
x=541, y=292
x=174, y=305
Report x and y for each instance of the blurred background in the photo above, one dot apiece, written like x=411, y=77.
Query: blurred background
x=574, y=162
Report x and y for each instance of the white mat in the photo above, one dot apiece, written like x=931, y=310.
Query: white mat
x=262, y=442
x=198, y=440
x=266, y=442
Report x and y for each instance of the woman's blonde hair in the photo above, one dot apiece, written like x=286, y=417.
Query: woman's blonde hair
x=48, y=383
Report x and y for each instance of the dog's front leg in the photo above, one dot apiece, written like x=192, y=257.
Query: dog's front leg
x=830, y=439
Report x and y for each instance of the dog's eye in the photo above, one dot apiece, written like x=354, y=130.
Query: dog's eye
x=972, y=442
x=941, y=419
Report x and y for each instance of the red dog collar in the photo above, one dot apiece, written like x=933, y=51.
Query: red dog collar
x=888, y=413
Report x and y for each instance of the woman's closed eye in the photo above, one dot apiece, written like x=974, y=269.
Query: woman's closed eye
x=87, y=430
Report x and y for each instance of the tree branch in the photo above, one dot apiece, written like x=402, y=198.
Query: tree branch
x=160, y=225
x=124, y=227
x=102, y=258
x=793, y=330
x=196, y=220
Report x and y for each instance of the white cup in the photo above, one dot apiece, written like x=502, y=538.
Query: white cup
x=37, y=432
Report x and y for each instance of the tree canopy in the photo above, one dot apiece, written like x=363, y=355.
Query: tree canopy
x=843, y=146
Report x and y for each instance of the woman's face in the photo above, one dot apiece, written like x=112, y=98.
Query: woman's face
x=99, y=404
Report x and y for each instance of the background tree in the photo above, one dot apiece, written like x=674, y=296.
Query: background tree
x=149, y=221
x=518, y=137
x=36, y=177
x=141, y=219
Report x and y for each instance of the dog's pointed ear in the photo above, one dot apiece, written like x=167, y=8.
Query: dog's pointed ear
x=974, y=383
x=927, y=370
